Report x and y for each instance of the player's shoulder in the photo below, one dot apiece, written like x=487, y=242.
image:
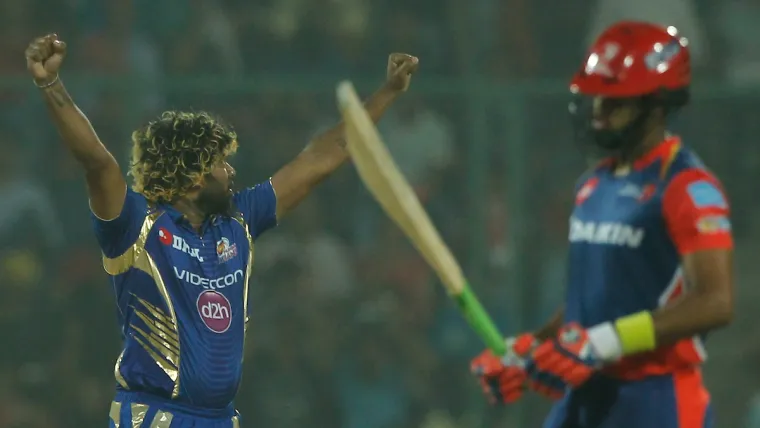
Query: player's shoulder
x=687, y=166
x=687, y=158
x=139, y=198
x=689, y=177
x=258, y=207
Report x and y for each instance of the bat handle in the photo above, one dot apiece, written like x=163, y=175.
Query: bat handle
x=480, y=321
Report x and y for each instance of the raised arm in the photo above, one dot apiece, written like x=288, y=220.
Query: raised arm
x=105, y=182
x=327, y=151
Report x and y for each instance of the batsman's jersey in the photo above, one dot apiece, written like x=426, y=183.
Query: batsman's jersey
x=627, y=236
x=182, y=297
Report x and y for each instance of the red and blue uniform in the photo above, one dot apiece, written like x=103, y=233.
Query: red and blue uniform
x=182, y=299
x=627, y=236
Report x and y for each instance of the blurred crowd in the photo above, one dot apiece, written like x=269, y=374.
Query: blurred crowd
x=350, y=328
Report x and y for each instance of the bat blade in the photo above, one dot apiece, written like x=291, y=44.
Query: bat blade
x=395, y=195
x=383, y=179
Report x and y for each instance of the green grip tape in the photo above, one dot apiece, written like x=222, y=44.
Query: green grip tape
x=479, y=320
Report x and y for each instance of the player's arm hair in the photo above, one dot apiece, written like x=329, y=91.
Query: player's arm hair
x=550, y=329
x=708, y=304
x=105, y=183
x=321, y=157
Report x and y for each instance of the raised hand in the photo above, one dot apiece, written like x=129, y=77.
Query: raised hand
x=401, y=67
x=44, y=57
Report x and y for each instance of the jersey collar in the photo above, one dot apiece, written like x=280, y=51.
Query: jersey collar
x=180, y=219
x=173, y=213
x=665, y=151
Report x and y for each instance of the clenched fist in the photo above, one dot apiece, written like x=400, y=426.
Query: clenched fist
x=44, y=57
x=401, y=66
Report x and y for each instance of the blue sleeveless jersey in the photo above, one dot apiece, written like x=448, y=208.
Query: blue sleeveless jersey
x=627, y=236
x=182, y=297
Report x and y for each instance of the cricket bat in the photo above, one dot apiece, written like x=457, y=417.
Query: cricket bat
x=390, y=188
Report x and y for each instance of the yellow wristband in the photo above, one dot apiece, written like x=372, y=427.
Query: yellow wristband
x=636, y=332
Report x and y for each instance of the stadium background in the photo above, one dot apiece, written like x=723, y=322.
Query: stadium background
x=350, y=328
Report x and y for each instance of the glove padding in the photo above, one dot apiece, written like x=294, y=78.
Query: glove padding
x=568, y=358
x=503, y=379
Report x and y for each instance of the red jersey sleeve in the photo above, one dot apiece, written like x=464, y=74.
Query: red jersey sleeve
x=696, y=212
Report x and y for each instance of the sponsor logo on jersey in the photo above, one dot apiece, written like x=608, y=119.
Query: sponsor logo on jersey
x=647, y=192
x=705, y=194
x=640, y=193
x=210, y=283
x=215, y=311
x=713, y=224
x=225, y=251
x=586, y=190
x=630, y=190
x=167, y=238
x=605, y=233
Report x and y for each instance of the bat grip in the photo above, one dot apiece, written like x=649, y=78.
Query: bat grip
x=479, y=320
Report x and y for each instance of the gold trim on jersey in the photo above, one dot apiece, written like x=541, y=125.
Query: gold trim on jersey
x=159, y=342
x=167, y=344
x=248, y=270
x=117, y=373
x=115, y=413
x=159, y=323
x=138, y=414
x=162, y=420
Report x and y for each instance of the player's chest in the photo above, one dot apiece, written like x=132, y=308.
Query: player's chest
x=616, y=213
x=216, y=259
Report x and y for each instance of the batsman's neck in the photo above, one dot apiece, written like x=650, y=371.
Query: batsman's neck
x=652, y=139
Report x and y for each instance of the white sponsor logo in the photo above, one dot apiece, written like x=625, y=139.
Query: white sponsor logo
x=181, y=245
x=210, y=284
x=168, y=238
x=215, y=311
x=630, y=190
x=605, y=233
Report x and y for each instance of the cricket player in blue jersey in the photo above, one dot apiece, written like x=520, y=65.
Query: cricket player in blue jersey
x=179, y=244
x=649, y=266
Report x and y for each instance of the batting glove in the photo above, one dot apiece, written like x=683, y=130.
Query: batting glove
x=568, y=358
x=503, y=379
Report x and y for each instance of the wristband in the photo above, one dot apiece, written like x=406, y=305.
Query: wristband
x=46, y=85
x=636, y=332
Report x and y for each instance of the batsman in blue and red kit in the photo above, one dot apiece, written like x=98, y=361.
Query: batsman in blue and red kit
x=179, y=245
x=649, y=264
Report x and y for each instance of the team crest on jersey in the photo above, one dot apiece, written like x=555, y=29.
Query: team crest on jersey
x=586, y=191
x=225, y=250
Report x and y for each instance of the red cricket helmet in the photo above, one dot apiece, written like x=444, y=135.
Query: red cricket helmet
x=633, y=58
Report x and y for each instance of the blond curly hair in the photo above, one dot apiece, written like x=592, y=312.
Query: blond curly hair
x=174, y=153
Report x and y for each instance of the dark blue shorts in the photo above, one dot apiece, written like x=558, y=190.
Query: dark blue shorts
x=143, y=410
x=677, y=400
